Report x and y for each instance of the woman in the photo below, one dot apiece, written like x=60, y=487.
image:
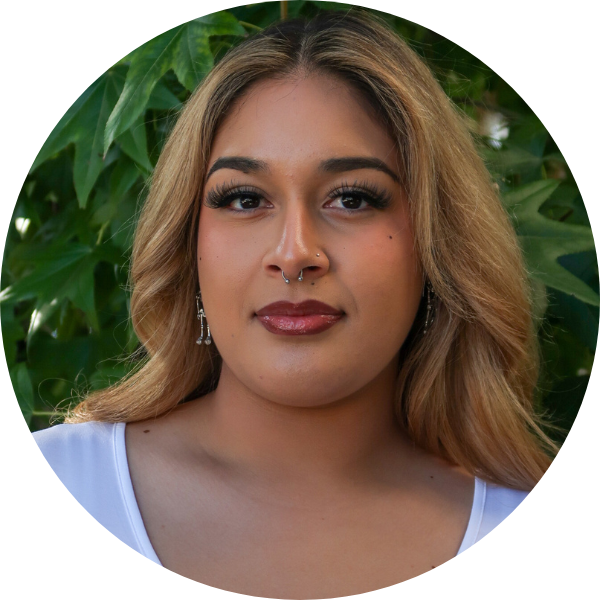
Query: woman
x=357, y=407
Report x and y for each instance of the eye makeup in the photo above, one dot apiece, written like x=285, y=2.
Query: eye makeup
x=223, y=195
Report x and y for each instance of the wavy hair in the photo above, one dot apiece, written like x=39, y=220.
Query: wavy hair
x=465, y=389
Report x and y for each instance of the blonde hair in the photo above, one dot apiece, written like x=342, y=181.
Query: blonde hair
x=465, y=389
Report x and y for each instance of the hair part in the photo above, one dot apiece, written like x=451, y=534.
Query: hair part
x=465, y=389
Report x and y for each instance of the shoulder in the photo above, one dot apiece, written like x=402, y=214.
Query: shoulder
x=84, y=456
x=72, y=446
x=491, y=505
x=499, y=503
x=69, y=434
x=503, y=498
x=90, y=459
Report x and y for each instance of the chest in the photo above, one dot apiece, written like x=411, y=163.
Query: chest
x=308, y=543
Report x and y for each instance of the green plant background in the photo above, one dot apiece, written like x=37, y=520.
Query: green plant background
x=64, y=300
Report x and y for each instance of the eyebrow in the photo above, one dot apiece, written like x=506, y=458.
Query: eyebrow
x=332, y=165
x=353, y=163
x=239, y=163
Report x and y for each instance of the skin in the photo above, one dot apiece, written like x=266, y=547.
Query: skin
x=293, y=478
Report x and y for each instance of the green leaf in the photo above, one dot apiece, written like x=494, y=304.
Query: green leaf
x=162, y=98
x=108, y=373
x=184, y=49
x=563, y=402
x=12, y=332
x=67, y=130
x=21, y=382
x=41, y=314
x=563, y=198
x=148, y=64
x=528, y=134
x=221, y=23
x=537, y=192
x=581, y=319
x=556, y=156
x=125, y=174
x=193, y=59
x=544, y=240
x=83, y=125
x=133, y=142
x=60, y=273
x=510, y=161
x=122, y=179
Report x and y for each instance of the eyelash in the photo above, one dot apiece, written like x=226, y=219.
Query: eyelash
x=224, y=194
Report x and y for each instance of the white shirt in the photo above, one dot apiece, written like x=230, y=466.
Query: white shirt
x=91, y=461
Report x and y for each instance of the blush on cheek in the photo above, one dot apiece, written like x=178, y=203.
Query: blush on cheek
x=388, y=278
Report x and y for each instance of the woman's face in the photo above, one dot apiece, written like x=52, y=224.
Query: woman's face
x=302, y=178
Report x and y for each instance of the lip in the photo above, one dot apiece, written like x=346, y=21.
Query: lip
x=305, y=318
x=289, y=309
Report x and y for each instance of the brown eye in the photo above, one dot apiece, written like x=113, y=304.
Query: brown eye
x=358, y=198
x=351, y=201
x=236, y=199
x=246, y=202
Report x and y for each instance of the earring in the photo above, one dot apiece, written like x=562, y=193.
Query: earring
x=201, y=316
x=429, y=317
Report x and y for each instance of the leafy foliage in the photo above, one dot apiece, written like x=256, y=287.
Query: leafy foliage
x=64, y=303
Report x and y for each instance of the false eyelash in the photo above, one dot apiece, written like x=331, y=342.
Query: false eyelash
x=371, y=193
x=225, y=193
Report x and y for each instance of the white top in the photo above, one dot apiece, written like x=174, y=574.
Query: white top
x=91, y=461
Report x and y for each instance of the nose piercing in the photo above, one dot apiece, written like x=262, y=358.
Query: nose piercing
x=300, y=277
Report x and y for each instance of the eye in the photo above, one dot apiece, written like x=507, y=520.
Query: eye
x=350, y=201
x=235, y=198
x=358, y=197
x=245, y=202
x=346, y=198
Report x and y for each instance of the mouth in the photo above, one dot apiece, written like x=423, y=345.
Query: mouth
x=306, y=318
x=300, y=325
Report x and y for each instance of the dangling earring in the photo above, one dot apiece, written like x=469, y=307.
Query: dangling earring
x=429, y=314
x=201, y=316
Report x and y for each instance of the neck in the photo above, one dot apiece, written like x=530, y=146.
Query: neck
x=243, y=430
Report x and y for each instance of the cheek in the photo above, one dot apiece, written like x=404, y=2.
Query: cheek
x=387, y=279
x=223, y=255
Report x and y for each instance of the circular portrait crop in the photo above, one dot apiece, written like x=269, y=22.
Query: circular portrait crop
x=299, y=300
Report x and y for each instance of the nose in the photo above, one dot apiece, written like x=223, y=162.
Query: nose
x=297, y=251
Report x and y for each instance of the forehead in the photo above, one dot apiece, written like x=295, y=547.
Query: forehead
x=302, y=119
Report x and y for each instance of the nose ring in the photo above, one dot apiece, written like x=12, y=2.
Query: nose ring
x=300, y=277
